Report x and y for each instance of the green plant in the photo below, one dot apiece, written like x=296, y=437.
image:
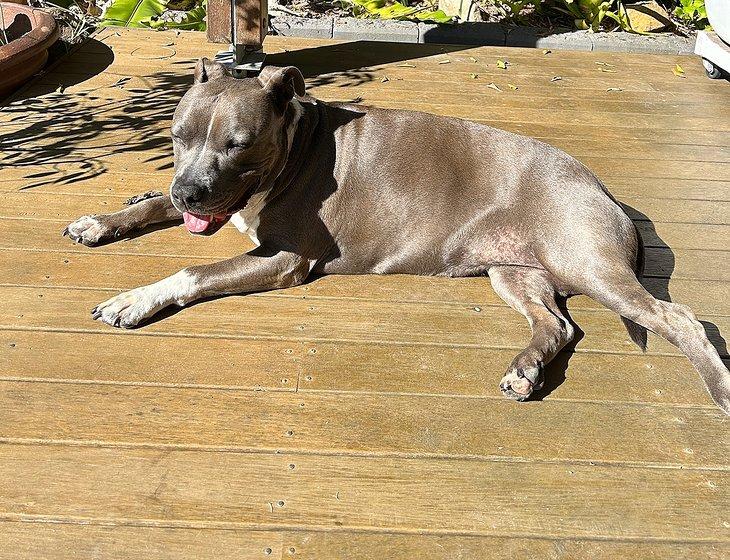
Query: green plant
x=147, y=13
x=132, y=13
x=392, y=9
x=692, y=13
x=512, y=9
x=192, y=20
x=589, y=14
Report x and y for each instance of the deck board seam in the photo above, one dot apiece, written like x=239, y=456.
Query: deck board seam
x=314, y=340
x=313, y=297
x=9, y=517
x=351, y=453
x=302, y=391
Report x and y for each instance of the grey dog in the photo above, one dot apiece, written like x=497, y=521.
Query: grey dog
x=330, y=188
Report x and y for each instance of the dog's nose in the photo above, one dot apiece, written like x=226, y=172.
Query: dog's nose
x=187, y=197
x=192, y=198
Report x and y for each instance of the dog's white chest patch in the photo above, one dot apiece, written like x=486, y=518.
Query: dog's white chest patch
x=247, y=227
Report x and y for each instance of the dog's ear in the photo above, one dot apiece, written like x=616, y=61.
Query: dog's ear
x=282, y=83
x=206, y=70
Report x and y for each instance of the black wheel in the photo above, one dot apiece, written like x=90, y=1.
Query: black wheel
x=713, y=71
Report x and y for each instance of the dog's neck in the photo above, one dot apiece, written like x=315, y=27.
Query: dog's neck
x=299, y=125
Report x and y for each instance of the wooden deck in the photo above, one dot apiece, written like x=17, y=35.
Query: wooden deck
x=354, y=417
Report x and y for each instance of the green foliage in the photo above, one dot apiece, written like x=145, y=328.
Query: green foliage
x=589, y=14
x=692, y=13
x=132, y=13
x=512, y=9
x=146, y=13
x=193, y=20
x=385, y=9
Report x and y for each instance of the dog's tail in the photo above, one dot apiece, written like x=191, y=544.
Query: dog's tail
x=637, y=333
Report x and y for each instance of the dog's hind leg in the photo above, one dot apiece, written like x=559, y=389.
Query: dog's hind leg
x=622, y=293
x=531, y=292
x=141, y=211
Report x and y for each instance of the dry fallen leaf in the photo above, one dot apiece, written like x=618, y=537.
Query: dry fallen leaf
x=121, y=81
x=385, y=79
x=678, y=71
x=608, y=70
x=556, y=78
x=502, y=64
x=473, y=76
x=512, y=87
x=473, y=59
x=614, y=89
x=444, y=62
x=406, y=65
x=494, y=86
x=606, y=64
x=546, y=51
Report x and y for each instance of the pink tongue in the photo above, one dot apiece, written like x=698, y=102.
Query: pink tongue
x=195, y=222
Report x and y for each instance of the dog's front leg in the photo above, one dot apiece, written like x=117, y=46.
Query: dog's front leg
x=141, y=211
x=255, y=271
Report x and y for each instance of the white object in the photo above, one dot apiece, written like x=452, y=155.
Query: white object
x=718, y=12
x=714, y=52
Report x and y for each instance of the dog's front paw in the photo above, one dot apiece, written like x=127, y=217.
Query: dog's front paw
x=89, y=230
x=520, y=383
x=126, y=310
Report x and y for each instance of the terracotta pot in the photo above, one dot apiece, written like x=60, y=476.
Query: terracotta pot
x=30, y=33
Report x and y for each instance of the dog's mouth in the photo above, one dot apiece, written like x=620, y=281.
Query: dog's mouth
x=210, y=223
x=199, y=223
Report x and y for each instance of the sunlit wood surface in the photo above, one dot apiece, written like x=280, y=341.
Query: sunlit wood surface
x=354, y=417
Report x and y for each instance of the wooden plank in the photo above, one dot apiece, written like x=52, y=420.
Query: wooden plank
x=232, y=490
x=66, y=541
x=660, y=262
x=632, y=65
x=530, y=124
x=43, y=205
x=364, y=546
x=369, y=82
x=334, y=56
x=99, y=268
x=578, y=147
x=459, y=89
x=337, y=367
x=42, y=541
x=63, y=179
x=578, y=120
x=305, y=320
x=43, y=233
x=340, y=423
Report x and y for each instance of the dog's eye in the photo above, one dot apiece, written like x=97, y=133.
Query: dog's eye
x=177, y=137
x=237, y=145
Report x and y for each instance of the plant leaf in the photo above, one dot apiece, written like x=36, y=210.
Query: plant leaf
x=502, y=64
x=132, y=13
x=193, y=20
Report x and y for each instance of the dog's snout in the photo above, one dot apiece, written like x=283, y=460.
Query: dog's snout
x=187, y=196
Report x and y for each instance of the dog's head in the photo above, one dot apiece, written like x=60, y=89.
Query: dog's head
x=229, y=138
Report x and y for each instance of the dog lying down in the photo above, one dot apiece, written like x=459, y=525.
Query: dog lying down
x=332, y=188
